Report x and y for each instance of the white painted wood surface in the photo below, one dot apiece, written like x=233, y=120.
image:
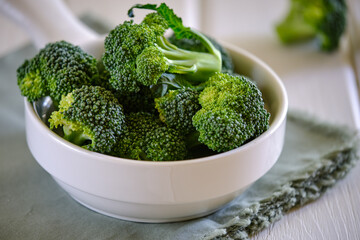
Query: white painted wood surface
x=322, y=84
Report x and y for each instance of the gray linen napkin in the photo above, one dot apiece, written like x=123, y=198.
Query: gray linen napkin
x=32, y=206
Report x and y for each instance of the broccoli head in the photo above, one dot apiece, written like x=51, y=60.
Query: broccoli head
x=222, y=129
x=138, y=54
x=91, y=117
x=177, y=109
x=147, y=138
x=30, y=81
x=56, y=70
x=232, y=112
x=324, y=20
x=142, y=101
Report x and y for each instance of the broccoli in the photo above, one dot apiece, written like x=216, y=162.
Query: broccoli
x=147, y=98
x=56, y=70
x=147, y=138
x=142, y=101
x=232, y=112
x=194, y=44
x=177, y=109
x=91, y=117
x=104, y=77
x=324, y=20
x=139, y=54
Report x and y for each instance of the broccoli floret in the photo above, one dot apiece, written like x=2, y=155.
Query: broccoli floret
x=194, y=44
x=104, y=77
x=222, y=129
x=177, y=109
x=138, y=54
x=324, y=20
x=56, y=70
x=147, y=138
x=91, y=117
x=142, y=101
x=232, y=112
x=30, y=82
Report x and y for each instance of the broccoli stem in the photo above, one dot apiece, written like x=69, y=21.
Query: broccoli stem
x=192, y=140
x=197, y=66
x=77, y=137
x=182, y=66
x=207, y=44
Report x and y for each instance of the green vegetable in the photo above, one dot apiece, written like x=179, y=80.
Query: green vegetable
x=147, y=98
x=142, y=101
x=139, y=54
x=55, y=71
x=91, y=117
x=232, y=112
x=194, y=44
x=324, y=20
x=147, y=138
x=177, y=109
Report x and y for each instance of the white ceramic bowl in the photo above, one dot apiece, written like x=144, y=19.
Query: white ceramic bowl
x=164, y=191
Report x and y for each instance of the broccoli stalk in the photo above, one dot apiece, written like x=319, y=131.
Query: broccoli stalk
x=197, y=66
x=138, y=54
x=324, y=20
x=194, y=44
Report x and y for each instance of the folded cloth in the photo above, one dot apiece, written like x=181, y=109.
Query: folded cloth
x=315, y=156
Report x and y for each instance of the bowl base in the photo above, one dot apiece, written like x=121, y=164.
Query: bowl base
x=147, y=213
x=145, y=220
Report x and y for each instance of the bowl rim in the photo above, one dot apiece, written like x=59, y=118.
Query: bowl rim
x=275, y=124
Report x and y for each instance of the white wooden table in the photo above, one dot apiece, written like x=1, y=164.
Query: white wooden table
x=321, y=84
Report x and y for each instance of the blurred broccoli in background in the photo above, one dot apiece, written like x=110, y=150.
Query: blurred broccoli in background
x=56, y=70
x=324, y=20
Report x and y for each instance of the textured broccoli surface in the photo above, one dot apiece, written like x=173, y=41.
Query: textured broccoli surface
x=91, y=117
x=142, y=101
x=30, y=81
x=56, y=70
x=138, y=54
x=222, y=129
x=232, y=112
x=177, y=109
x=147, y=138
x=324, y=20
